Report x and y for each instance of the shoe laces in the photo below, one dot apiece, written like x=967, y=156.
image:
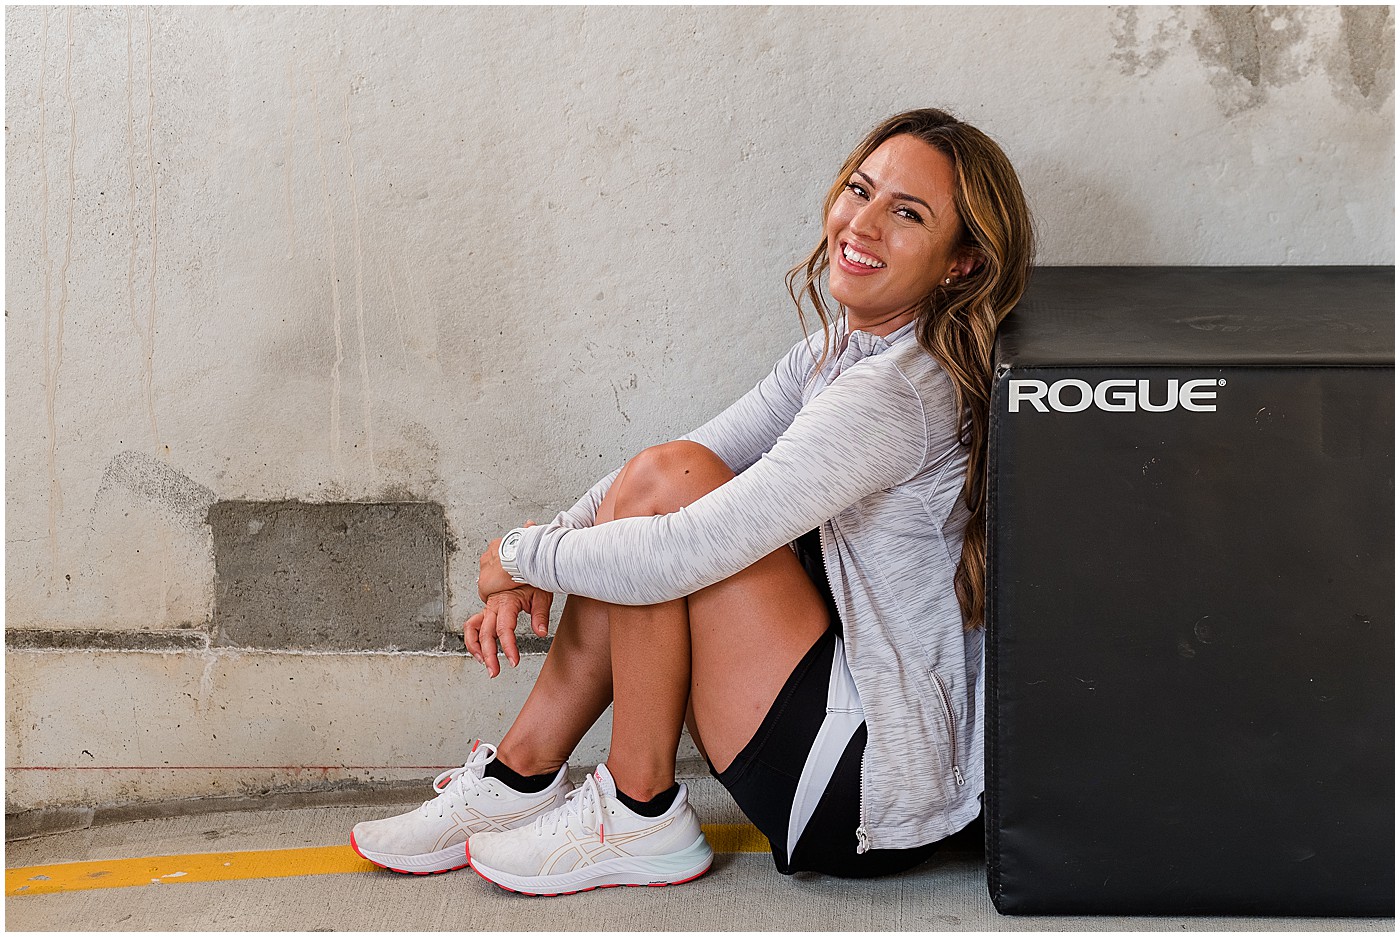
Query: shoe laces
x=574, y=811
x=454, y=784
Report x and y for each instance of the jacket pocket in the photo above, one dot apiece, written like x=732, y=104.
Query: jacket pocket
x=950, y=714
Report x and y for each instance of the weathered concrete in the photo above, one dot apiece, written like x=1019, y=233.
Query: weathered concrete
x=67, y=639
x=45, y=821
x=742, y=892
x=329, y=576
x=328, y=254
x=113, y=727
x=36, y=639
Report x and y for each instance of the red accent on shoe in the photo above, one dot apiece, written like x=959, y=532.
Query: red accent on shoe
x=557, y=894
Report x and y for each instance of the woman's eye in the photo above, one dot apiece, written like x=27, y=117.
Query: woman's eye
x=857, y=189
x=911, y=215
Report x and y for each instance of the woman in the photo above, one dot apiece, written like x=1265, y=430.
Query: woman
x=835, y=686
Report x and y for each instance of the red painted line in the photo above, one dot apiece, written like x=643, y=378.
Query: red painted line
x=231, y=767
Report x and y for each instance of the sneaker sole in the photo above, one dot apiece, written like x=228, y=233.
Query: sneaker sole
x=433, y=863
x=630, y=871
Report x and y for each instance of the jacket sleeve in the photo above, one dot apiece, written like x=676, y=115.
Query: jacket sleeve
x=864, y=433
x=741, y=433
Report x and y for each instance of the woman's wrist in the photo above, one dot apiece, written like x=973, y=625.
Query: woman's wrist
x=493, y=578
x=509, y=553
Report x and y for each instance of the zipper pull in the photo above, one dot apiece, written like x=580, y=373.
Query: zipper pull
x=957, y=776
x=862, y=841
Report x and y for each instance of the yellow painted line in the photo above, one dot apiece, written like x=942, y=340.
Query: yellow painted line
x=169, y=870
x=272, y=863
x=735, y=837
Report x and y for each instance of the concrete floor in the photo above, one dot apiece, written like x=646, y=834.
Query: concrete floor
x=742, y=892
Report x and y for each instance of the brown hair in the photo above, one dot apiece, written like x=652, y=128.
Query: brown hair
x=958, y=321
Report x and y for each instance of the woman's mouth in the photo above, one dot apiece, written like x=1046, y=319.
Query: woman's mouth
x=859, y=262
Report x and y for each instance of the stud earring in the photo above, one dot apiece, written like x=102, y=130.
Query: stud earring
x=947, y=281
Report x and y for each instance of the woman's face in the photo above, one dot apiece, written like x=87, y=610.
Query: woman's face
x=892, y=233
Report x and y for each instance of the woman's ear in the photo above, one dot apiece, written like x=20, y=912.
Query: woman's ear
x=967, y=263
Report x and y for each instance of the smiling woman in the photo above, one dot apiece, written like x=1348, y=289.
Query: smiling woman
x=781, y=579
x=892, y=246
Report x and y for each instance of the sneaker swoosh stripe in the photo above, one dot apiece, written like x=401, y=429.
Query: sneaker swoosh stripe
x=471, y=820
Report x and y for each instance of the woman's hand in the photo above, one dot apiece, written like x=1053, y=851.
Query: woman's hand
x=493, y=578
x=494, y=626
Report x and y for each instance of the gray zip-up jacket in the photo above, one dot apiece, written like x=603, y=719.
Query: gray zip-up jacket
x=868, y=451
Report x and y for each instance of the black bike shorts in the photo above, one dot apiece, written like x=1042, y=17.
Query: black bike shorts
x=767, y=778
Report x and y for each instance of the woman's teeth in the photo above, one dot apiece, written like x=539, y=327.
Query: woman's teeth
x=856, y=257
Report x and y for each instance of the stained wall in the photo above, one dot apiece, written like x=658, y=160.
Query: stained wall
x=476, y=257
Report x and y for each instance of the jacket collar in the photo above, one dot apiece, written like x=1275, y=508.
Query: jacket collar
x=869, y=344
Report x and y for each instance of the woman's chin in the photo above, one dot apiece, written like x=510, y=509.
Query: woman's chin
x=843, y=294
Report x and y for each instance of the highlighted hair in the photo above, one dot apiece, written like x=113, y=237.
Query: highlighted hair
x=958, y=321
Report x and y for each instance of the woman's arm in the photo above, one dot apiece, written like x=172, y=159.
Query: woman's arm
x=864, y=433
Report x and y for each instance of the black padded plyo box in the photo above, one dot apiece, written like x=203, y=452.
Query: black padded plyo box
x=1190, y=649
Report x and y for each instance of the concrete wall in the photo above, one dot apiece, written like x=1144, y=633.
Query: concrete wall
x=476, y=257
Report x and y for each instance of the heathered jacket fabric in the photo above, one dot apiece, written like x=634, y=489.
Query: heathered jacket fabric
x=868, y=451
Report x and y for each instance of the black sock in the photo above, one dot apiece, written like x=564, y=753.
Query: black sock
x=520, y=783
x=654, y=807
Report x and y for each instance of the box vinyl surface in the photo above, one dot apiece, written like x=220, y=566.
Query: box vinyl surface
x=1190, y=671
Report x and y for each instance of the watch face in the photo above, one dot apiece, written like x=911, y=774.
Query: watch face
x=510, y=545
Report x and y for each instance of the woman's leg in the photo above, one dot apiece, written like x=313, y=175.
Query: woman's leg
x=719, y=656
x=726, y=650
x=574, y=686
x=573, y=689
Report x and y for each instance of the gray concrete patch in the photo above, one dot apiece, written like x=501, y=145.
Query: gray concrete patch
x=82, y=639
x=31, y=823
x=343, y=576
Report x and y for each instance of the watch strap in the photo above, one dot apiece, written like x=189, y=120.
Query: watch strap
x=509, y=557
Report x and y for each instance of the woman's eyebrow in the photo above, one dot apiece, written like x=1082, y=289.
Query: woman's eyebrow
x=899, y=196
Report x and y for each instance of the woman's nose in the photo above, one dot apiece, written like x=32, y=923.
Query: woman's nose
x=866, y=222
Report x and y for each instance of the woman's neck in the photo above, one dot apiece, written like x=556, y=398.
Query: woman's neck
x=880, y=326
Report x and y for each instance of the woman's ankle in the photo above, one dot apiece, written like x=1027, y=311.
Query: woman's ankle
x=518, y=782
x=654, y=807
x=521, y=760
x=642, y=783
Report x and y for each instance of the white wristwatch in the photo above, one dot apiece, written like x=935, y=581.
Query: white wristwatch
x=508, y=550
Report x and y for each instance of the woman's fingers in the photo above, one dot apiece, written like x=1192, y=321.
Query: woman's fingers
x=488, y=641
x=470, y=631
x=498, y=630
x=491, y=631
x=539, y=611
x=507, y=613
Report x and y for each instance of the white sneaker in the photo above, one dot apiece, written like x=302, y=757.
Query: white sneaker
x=433, y=837
x=594, y=841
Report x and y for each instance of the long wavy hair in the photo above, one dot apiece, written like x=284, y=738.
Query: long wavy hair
x=958, y=322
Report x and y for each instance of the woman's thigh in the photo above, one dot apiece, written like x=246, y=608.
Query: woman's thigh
x=748, y=633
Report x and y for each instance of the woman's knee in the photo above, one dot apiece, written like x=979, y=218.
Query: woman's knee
x=666, y=477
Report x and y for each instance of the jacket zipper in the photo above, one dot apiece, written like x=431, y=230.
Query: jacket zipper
x=952, y=728
x=862, y=837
